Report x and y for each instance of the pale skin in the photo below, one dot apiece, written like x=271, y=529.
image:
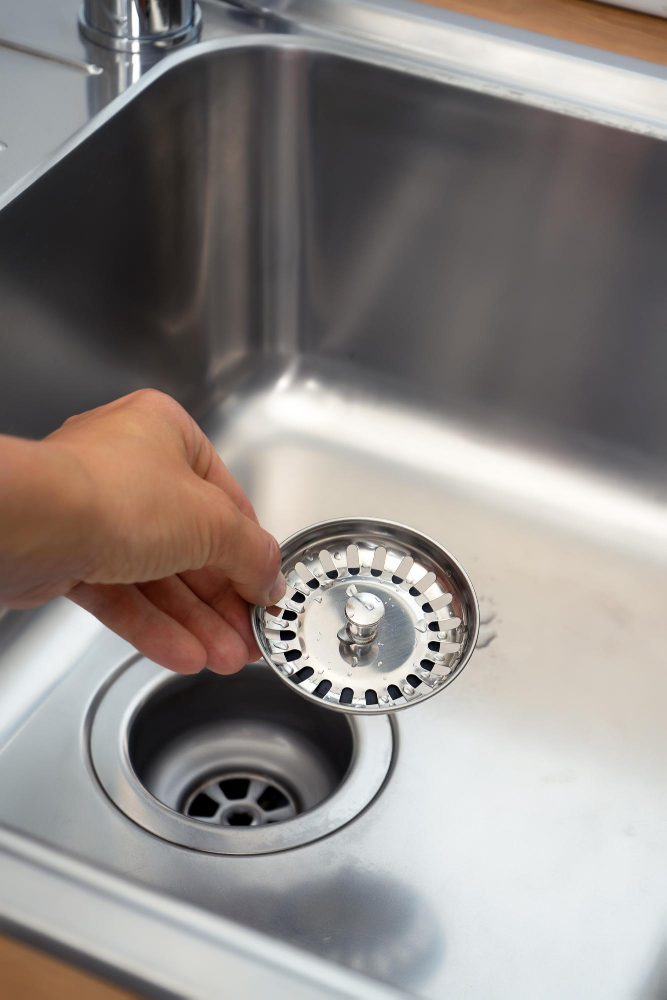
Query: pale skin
x=128, y=511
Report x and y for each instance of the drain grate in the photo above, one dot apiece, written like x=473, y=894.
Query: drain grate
x=241, y=799
x=376, y=616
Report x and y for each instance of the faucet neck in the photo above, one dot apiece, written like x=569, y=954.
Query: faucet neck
x=140, y=25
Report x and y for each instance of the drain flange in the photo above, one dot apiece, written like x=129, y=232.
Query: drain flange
x=232, y=765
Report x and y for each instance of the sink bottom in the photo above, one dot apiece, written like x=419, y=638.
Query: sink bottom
x=525, y=805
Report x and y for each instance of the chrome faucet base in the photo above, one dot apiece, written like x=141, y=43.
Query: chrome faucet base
x=136, y=40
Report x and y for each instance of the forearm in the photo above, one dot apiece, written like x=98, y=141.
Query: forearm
x=45, y=517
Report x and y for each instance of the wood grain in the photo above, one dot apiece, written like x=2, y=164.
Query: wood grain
x=28, y=974
x=596, y=24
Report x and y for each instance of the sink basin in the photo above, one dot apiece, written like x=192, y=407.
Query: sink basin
x=384, y=294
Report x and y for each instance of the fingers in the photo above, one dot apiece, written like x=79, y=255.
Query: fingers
x=130, y=614
x=226, y=650
x=211, y=585
x=241, y=551
x=168, y=623
x=246, y=554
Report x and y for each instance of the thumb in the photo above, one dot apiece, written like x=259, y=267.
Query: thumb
x=247, y=554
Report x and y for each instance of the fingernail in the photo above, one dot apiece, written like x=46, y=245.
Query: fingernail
x=277, y=590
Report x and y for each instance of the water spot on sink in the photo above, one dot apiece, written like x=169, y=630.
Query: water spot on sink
x=486, y=636
x=487, y=610
x=3, y=146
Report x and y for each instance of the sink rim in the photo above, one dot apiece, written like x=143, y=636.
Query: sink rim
x=449, y=49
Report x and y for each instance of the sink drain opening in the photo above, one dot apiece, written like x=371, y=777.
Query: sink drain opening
x=242, y=800
x=233, y=765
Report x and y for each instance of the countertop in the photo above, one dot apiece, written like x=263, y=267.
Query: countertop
x=599, y=25
x=28, y=974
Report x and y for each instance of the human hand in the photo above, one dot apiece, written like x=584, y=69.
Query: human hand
x=129, y=512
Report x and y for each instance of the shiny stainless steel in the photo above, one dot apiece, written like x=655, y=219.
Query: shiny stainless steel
x=140, y=25
x=156, y=946
x=45, y=101
x=380, y=216
x=377, y=617
x=363, y=614
x=155, y=740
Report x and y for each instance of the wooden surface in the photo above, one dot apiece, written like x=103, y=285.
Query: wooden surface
x=596, y=24
x=28, y=974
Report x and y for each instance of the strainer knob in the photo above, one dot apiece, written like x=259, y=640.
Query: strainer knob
x=363, y=612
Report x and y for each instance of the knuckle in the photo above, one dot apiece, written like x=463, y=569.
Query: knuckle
x=151, y=401
x=152, y=398
x=74, y=419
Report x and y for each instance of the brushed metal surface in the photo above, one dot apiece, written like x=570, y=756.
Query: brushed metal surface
x=296, y=243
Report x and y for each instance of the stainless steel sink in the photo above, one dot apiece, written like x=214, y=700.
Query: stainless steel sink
x=389, y=293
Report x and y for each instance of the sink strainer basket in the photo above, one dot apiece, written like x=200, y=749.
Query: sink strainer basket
x=376, y=617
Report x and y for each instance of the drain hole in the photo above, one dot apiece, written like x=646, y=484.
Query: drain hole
x=346, y=696
x=332, y=574
x=235, y=788
x=397, y=579
x=394, y=692
x=290, y=616
x=287, y=634
x=203, y=806
x=427, y=609
x=240, y=817
x=251, y=800
x=371, y=697
x=413, y=681
x=313, y=584
x=426, y=664
x=298, y=597
x=376, y=572
x=237, y=753
x=414, y=592
x=322, y=688
x=293, y=654
x=434, y=647
x=271, y=799
x=353, y=570
x=434, y=626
